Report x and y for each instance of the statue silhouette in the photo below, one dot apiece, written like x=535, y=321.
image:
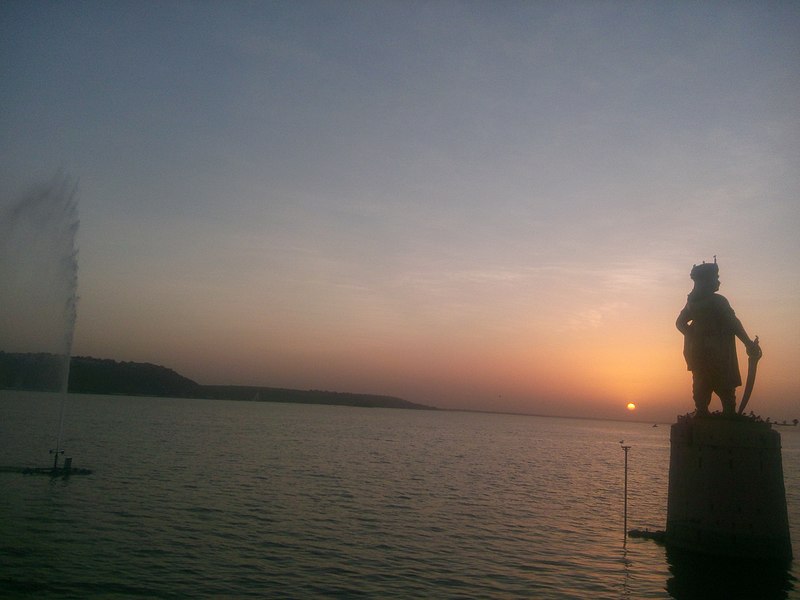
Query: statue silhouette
x=710, y=328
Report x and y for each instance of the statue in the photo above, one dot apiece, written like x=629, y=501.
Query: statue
x=710, y=328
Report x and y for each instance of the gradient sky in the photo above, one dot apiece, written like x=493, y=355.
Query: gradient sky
x=483, y=205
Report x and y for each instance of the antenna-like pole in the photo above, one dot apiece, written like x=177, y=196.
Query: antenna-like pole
x=625, y=505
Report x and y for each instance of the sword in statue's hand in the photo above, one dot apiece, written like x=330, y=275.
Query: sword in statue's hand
x=753, y=356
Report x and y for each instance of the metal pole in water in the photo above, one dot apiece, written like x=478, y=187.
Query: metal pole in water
x=625, y=509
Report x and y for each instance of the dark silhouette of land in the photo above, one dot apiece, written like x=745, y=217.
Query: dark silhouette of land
x=40, y=372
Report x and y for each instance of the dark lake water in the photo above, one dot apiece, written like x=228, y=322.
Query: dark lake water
x=215, y=499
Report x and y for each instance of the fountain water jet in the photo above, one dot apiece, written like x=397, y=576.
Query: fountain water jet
x=39, y=268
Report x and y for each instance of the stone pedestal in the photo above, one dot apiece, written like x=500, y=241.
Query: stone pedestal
x=726, y=491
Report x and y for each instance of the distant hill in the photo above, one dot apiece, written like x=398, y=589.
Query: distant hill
x=267, y=394
x=104, y=376
x=43, y=372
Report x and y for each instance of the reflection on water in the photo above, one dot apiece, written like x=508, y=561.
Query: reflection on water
x=696, y=577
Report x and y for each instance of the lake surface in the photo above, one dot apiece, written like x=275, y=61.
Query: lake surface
x=216, y=499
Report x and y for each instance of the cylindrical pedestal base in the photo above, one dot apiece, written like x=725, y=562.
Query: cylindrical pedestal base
x=726, y=491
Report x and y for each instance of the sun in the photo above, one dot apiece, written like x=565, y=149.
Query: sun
x=631, y=406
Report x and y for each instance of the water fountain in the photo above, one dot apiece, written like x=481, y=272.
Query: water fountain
x=39, y=270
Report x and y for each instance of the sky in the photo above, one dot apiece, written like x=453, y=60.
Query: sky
x=477, y=205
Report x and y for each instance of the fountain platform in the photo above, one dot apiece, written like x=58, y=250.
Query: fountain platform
x=57, y=472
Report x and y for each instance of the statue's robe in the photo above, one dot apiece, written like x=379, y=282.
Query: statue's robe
x=709, y=345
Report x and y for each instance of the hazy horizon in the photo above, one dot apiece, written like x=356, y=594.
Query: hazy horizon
x=481, y=206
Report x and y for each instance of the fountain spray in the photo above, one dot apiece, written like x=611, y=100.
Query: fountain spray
x=39, y=271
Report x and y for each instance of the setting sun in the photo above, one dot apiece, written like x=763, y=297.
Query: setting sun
x=631, y=406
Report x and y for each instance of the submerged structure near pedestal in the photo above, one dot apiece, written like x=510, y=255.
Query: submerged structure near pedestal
x=726, y=490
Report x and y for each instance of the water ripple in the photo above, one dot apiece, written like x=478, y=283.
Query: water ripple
x=235, y=500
